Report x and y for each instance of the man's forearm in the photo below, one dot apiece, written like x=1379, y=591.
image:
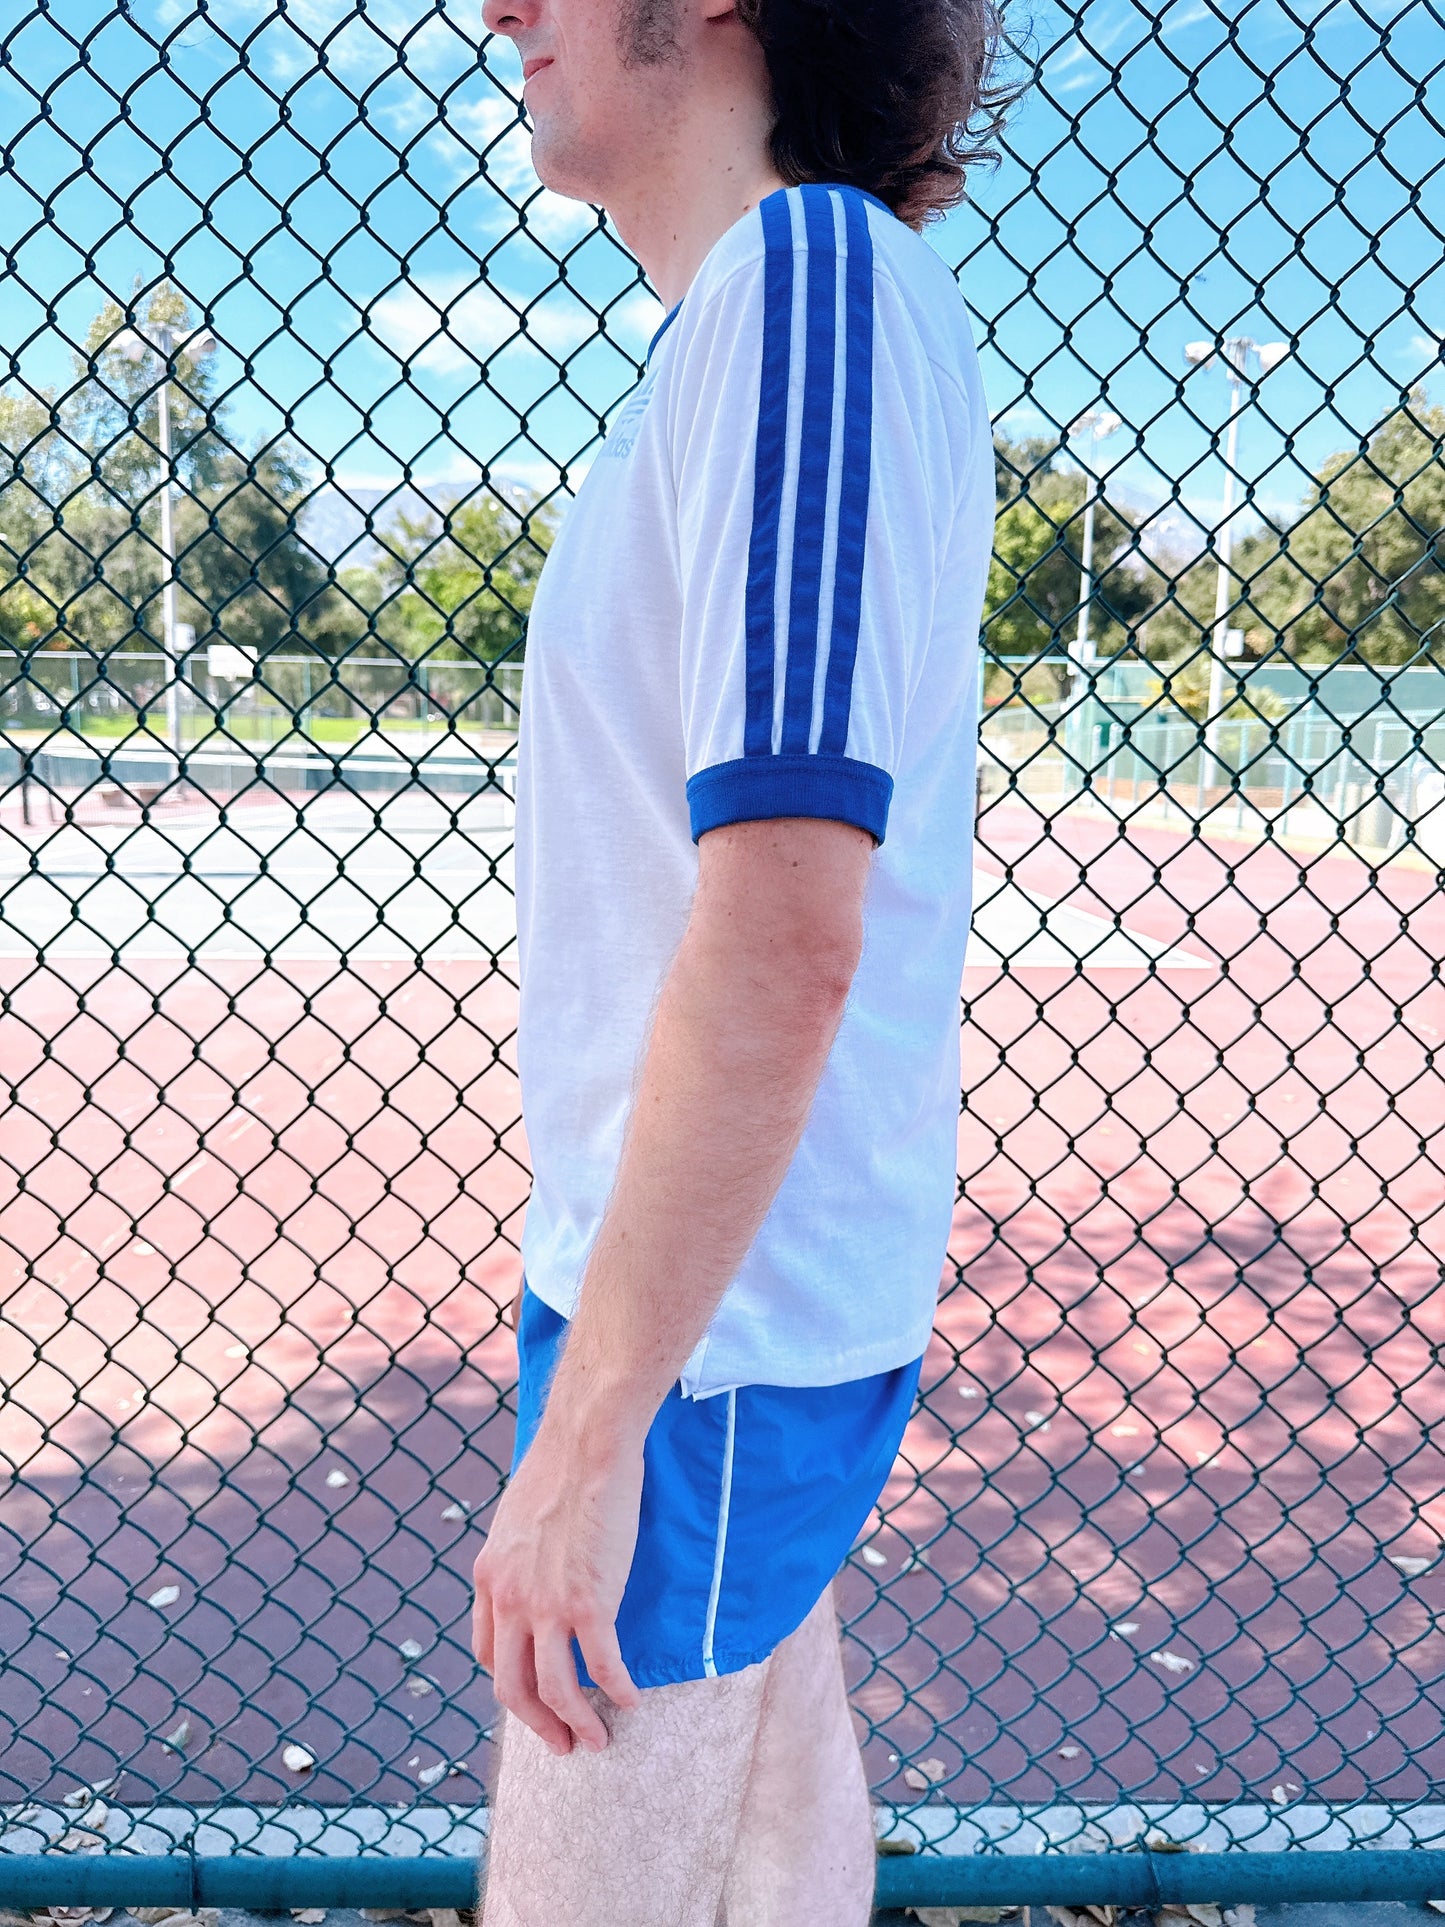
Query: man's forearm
x=739, y=1040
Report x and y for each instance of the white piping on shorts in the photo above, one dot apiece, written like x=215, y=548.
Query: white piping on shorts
x=709, y=1670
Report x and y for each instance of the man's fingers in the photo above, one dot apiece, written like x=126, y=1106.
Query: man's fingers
x=517, y=1307
x=482, y=1624
x=598, y=1640
x=514, y=1681
x=559, y=1688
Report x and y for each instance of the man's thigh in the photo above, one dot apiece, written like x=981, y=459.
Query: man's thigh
x=638, y=1835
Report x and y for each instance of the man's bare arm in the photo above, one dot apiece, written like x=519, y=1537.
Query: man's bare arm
x=745, y=1019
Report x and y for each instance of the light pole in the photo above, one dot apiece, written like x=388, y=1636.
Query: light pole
x=1095, y=425
x=164, y=343
x=1235, y=356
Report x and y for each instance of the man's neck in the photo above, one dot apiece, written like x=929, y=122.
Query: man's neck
x=671, y=221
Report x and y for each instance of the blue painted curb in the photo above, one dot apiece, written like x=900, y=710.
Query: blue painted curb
x=1129, y=1879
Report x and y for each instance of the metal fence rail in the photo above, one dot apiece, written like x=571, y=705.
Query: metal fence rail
x=301, y=371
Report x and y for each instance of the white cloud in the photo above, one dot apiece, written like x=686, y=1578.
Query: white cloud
x=404, y=114
x=1087, y=37
x=1175, y=19
x=1025, y=418
x=560, y=223
x=358, y=46
x=448, y=326
x=365, y=47
x=557, y=222
x=445, y=327
x=491, y=123
x=494, y=124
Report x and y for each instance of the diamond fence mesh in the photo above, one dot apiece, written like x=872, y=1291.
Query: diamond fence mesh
x=302, y=369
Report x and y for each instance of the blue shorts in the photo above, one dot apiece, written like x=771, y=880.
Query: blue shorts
x=750, y=1502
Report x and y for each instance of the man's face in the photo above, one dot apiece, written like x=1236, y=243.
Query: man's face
x=601, y=104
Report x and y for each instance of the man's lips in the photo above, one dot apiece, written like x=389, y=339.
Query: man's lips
x=530, y=67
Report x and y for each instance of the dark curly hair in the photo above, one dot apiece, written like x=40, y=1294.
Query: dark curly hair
x=897, y=96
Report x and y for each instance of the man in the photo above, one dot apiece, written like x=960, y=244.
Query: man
x=744, y=818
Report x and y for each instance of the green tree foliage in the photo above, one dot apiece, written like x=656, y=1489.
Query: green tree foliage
x=80, y=510
x=31, y=459
x=1186, y=687
x=81, y=562
x=1032, y=601
x=248, y=577
x=1182, y=590
x=113, y=414
x=459, y=584
x=1363, y=566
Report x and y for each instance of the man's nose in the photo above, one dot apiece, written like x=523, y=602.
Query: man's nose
x=509, y=17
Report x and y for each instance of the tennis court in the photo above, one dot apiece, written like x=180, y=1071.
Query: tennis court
x=262, y=1211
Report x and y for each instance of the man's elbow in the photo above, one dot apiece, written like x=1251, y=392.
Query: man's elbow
x=829, y=962
x=807, y=971
x=785, y=898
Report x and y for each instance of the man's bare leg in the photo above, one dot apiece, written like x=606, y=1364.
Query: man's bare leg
x=805, y=1847
x=638, y=1835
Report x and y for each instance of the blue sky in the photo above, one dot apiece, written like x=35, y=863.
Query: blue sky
x=1180, y=170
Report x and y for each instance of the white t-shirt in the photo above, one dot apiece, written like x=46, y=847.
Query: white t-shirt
x=765, y=601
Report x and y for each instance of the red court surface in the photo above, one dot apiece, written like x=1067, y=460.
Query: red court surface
x=1199, y=1241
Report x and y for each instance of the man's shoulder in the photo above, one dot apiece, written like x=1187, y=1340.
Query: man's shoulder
x=821, y=221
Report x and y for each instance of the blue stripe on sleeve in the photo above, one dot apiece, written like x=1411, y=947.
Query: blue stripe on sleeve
x=857, y=465
x=814, y=460
x=753, y=787
x=769, y=462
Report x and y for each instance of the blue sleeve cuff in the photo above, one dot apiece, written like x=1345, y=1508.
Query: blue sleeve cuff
x=838, y=787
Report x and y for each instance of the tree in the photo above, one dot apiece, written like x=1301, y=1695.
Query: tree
x=246, y=575
x=459, y=585
x=34, y=456
x=80, y=552
x=113, y=410
x=1034, y=579
x=1362, y=569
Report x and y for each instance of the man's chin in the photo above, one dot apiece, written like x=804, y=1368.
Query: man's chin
x=560, y=168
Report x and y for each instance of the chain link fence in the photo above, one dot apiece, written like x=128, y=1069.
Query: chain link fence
x=302, y=369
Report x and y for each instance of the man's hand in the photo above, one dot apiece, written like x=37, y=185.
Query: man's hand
x=555, y=1564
